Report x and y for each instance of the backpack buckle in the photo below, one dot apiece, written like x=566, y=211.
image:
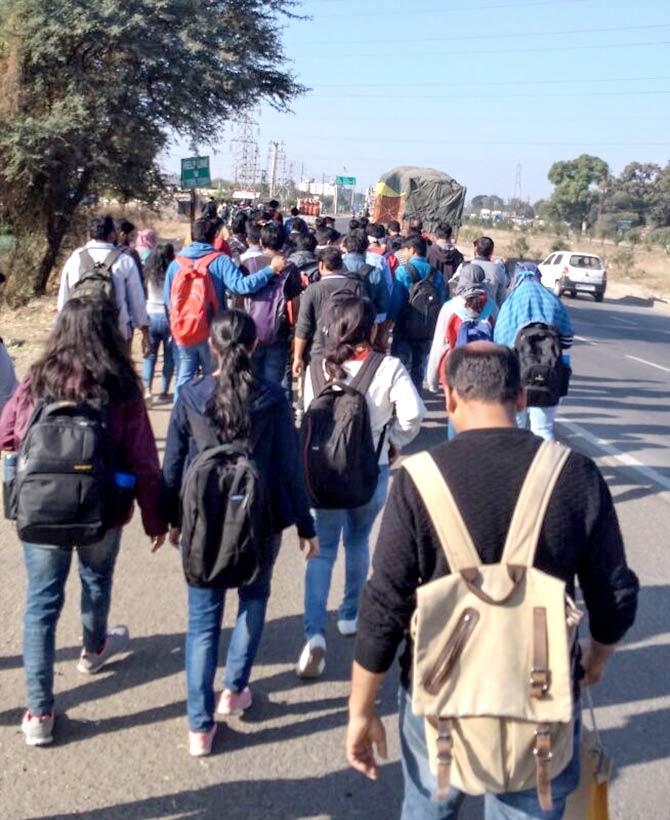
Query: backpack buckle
x=542, y=750
x=539, y=682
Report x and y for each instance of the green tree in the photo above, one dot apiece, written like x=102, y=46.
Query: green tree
x=578, y=187
x=493, y=202
x=92, y=92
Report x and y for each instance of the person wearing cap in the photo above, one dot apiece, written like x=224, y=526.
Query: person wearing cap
x=472, y=302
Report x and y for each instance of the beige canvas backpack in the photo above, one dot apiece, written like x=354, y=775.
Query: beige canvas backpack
x=492, y=647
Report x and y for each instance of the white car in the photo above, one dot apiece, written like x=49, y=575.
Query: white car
x=574, y=272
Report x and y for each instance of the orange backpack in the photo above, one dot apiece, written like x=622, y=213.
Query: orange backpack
x=193, y=300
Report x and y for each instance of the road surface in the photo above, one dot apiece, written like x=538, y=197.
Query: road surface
x=121, y=750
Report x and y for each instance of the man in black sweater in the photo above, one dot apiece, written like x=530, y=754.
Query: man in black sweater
x=484, y=466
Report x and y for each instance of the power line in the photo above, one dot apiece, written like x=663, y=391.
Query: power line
x=442, y=11
x=498, y=36
x=494, y=96
x=468, y=83
x=543, y=50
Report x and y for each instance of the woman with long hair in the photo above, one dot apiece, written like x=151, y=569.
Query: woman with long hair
x=240, y=407
x=396, y=412
x=155, y=268
x=84, y=364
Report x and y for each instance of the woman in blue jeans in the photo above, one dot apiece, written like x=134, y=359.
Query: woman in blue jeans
x=84, y=362
x=396, y=412
x=155, y=268
x=243, y=407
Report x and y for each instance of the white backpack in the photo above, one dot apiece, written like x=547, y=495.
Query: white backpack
x=492, y=647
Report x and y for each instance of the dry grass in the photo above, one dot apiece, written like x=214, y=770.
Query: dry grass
x=649, y=273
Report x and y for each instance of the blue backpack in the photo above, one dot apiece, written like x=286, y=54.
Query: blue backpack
x=474, y=330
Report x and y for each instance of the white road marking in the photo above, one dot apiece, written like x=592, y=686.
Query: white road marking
x=651, y=364
x=586, y=341
x=624, y=321
x=613, y=452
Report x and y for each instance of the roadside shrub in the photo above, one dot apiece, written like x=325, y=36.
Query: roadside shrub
x=622, y=262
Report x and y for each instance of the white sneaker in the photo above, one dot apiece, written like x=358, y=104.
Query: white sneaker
x=148, y=399
x=347, y=628
x=117, y=641
x=38, y=729
x=312, y=659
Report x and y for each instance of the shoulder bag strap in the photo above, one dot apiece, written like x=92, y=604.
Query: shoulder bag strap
x=112, y=258
x=448, y=522
x=531, y=508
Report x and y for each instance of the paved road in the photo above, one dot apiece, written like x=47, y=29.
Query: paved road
x=121, y=736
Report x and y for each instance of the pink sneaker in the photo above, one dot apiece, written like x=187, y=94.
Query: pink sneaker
x=200, y=743
x=234, y=703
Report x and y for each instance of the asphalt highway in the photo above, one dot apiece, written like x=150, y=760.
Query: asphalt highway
x=121, y=743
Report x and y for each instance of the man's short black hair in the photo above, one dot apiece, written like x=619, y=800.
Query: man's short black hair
x=331, y=258
x=327, y=236
x=417, y=244
x=304, y=242
x=443, y=231
x=272, y=237
x=299, y=225
x=484, y=246
x=320, y=223
x=364, y=221
x=273, y=204
x=354, y=224
x=253, y=232
x=356, y=241
x=394, y=226
x=393, y=244
x=124, y=226
x=329, y=221
x=101, y=228
x=376, y=231
x=295, y=211
x=205, y=230
x=491, y=374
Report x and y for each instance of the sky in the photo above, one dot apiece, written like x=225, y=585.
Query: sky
x=475, y=88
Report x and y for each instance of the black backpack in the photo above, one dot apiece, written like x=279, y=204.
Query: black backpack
x=340, y=461
x=421, y=312
x=224, y=512
x=96, y=279
x=544, y=374
x=64, y=493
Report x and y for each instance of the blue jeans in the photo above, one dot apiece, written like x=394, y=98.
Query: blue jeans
x=205, y=613
x=189, y=359
x=540, y=420
x=420, y=784
x=270, y=361
x=414, y=355
x=355, y=527
x=47, y=569
x=159, y=333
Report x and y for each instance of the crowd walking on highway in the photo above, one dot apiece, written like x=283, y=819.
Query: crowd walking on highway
x=298, y=360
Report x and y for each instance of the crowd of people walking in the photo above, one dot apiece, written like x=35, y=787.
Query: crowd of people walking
x=301, y=359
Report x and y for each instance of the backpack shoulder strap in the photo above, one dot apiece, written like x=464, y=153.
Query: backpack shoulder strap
x=205, y=261
x=113, y=257
x=366, y=374
x=317, y=376
x=203, y=431
x=85, y=259
x=531, y=508
x=454, y=536
x=413, y=273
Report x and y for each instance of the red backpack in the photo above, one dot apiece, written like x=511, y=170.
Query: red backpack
x=193, y=300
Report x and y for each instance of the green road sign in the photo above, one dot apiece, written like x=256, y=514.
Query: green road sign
x=624, y=224
x=345, y=180
x=195, y=172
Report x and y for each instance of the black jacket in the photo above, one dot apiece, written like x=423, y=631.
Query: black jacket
x=485, y=470
x=275, y=453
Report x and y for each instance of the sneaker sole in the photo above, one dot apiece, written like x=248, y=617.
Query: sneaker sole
x=315, y=665
x=41, y=741
x=234, y=712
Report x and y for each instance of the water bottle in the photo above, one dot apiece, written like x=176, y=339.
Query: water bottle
x=9, y=485
x=124, y=495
